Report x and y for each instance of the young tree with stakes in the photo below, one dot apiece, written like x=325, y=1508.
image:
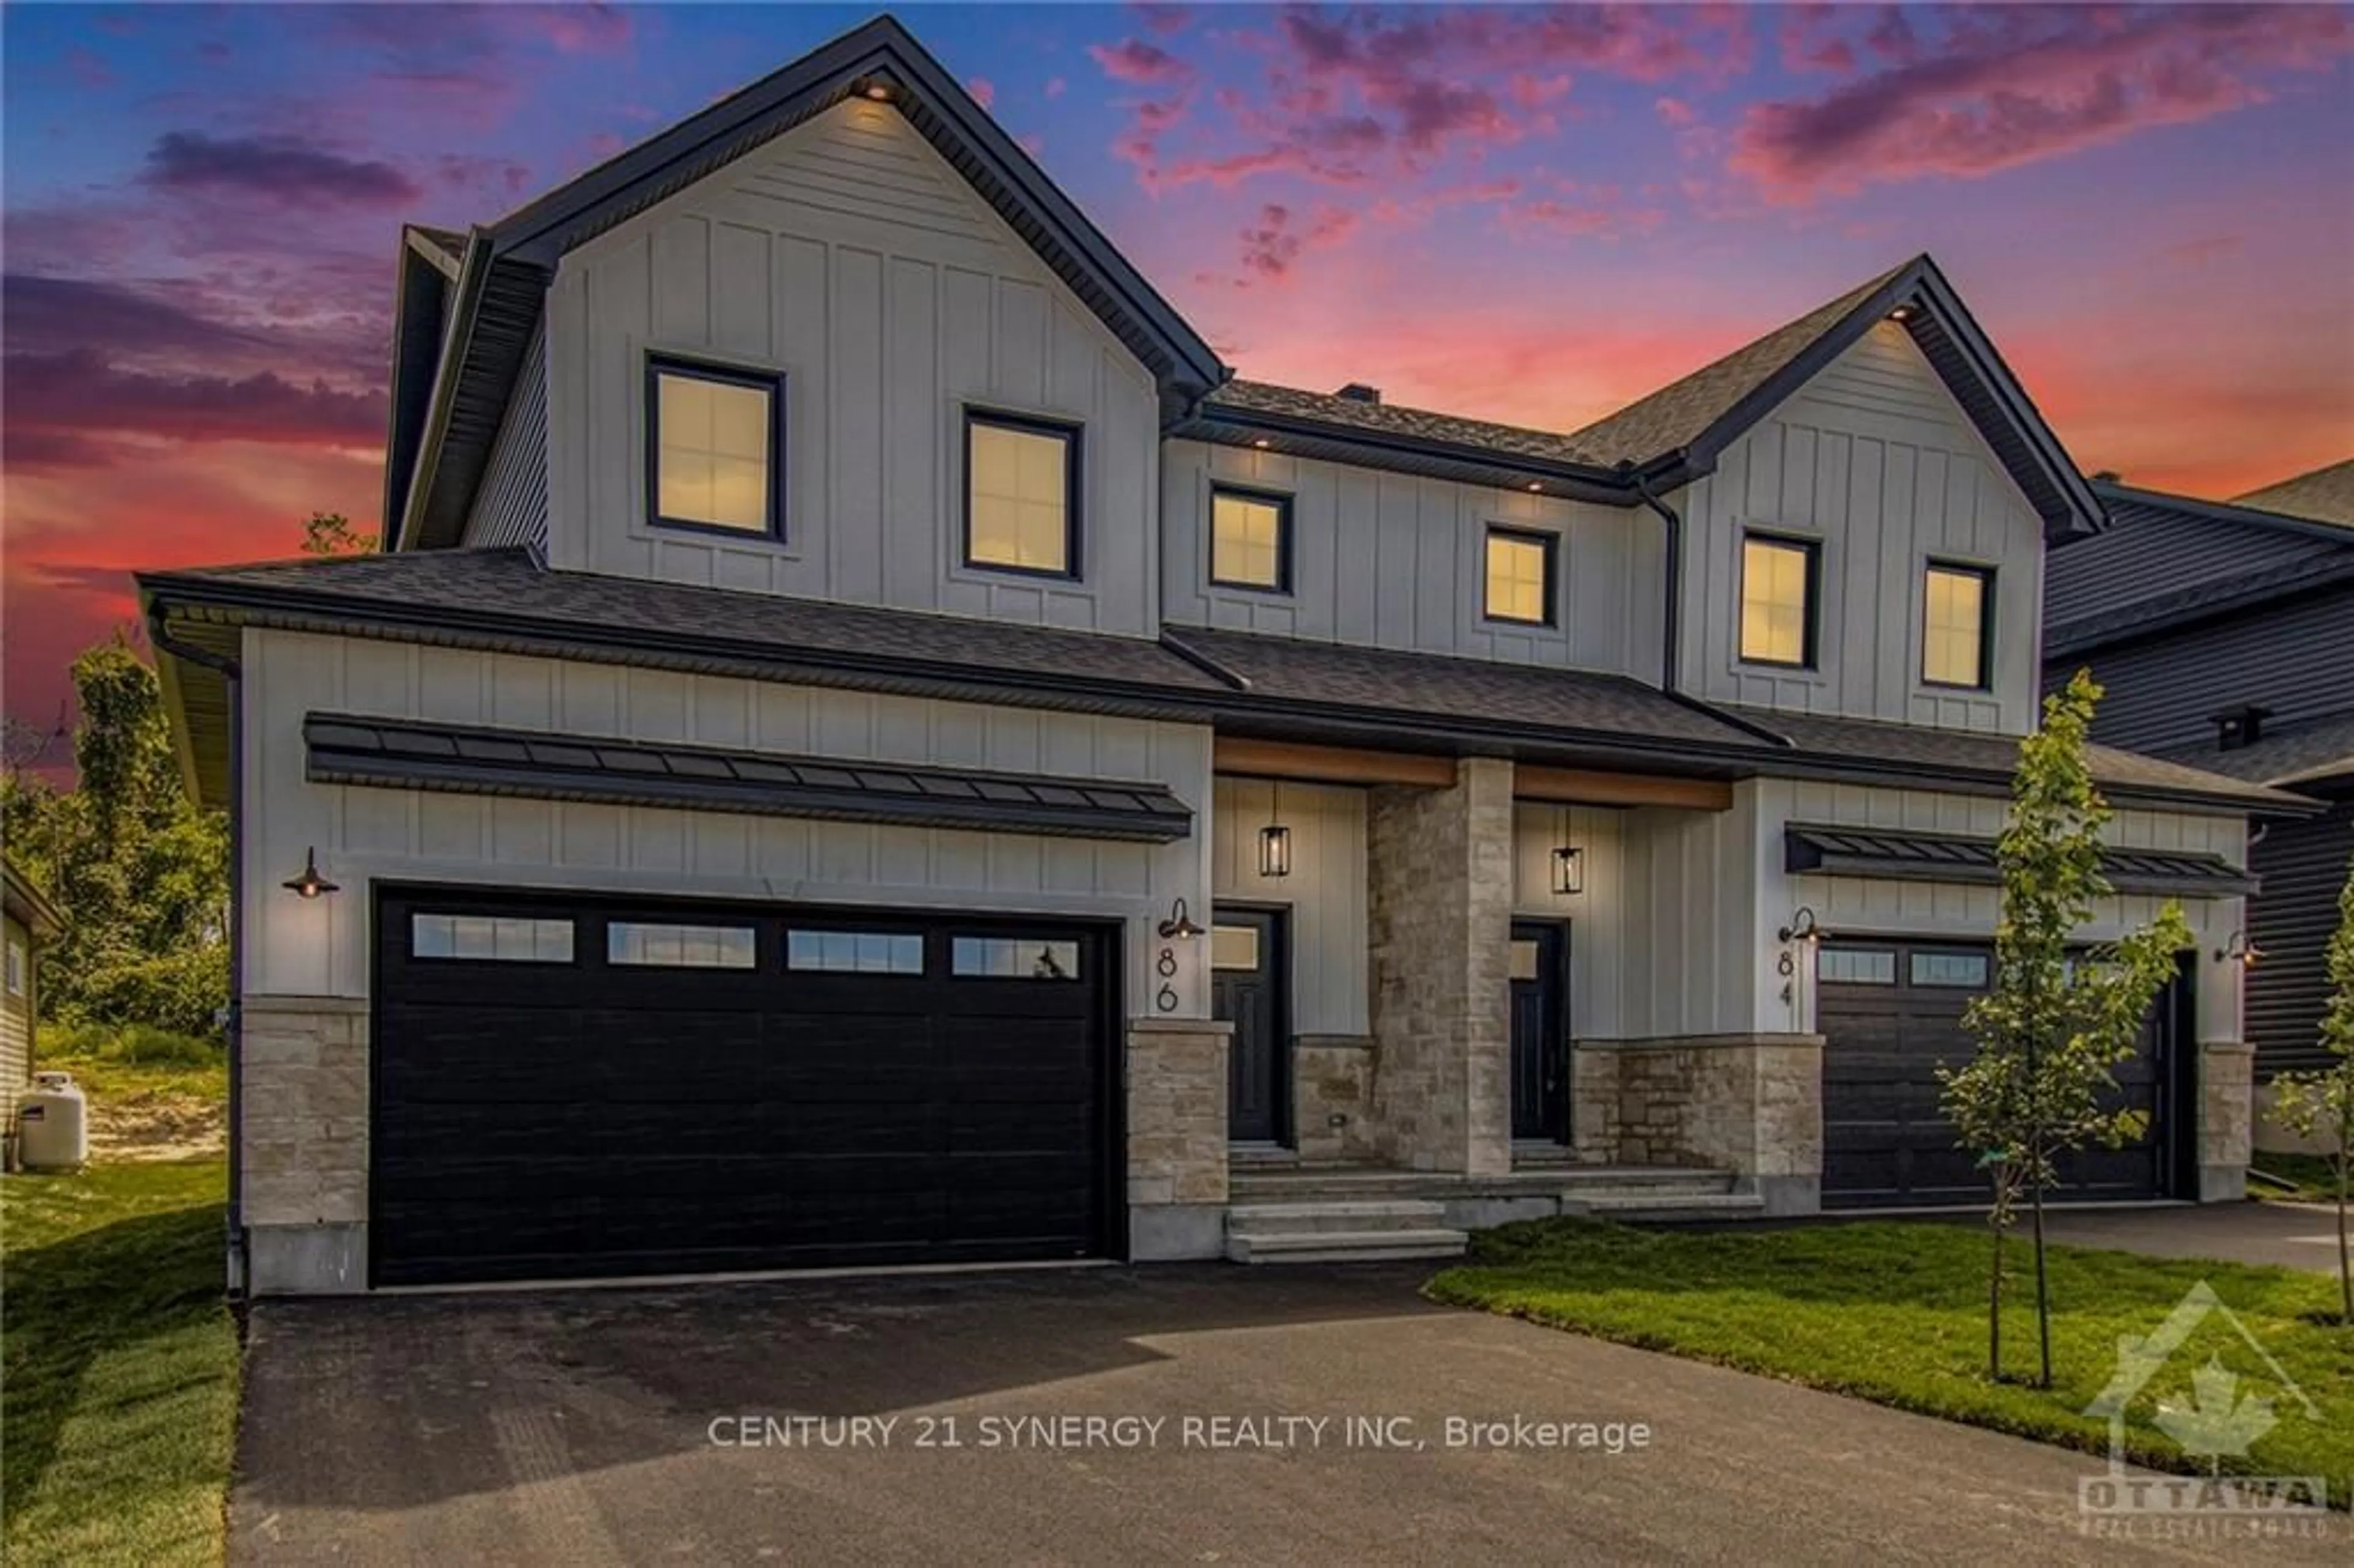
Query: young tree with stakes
x=2323, y=1100
x=2062, y=1015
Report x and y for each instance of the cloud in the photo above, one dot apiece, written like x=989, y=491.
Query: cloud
x=2017, y=85
x=983, y=91
x=1272, y=245
x=1166, y=20
x=58, y=315
x=1134, y=60
x=78, y=395
x=282, y=170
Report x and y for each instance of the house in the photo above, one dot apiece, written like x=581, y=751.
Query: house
x=28, y=922
x=2225, y=636
x=869, y=744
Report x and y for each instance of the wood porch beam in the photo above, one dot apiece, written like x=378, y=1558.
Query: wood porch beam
x=1328, y=764
x=1574, y=786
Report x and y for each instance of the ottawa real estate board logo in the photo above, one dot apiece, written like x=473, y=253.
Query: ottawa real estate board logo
x=2212, y=1389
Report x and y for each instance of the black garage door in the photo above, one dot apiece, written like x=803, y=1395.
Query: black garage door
x=1890, y=1012
x=567, y=1088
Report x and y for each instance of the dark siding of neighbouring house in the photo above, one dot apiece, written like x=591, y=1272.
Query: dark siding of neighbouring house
x=2294, y=656
x=511, y=508
x=2303, y=865
x=2206, y=608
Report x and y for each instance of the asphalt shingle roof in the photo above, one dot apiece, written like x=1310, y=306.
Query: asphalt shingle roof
x=2286, y=756
x=1679, y=413
x=1393, y=419
x=1442, y=686
x=2325, y=496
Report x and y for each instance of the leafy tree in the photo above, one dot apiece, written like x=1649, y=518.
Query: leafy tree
x=331, y=534
x=140, y=873
x=2323, y=1100
x=2059, y=1018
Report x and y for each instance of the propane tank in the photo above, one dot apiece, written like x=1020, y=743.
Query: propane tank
x=53, y=1125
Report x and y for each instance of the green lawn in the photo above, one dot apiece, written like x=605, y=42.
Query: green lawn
x=1896, y=1314
x=2313, y=1179
x=120, y=1361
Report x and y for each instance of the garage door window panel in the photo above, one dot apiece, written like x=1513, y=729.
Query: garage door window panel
x=490, y=938
x=648, y=944
x=1013, y=958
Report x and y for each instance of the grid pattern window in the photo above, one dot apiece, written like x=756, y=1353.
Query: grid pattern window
x=1956, y=602
x=19, y=966
x=855, y=952
x=1012, y=957
x=714, y=440
x=1018, y=509
x=490, y=939
x=1777, y=601
x=1856, y=966
x=639, y=943
x=1520, y=576
x=1965, y=971
x=1250, y=540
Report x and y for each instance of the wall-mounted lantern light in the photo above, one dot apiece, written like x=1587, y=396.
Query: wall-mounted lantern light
x=1802, y=928
x=1179, y=926
x=1568, y=869
x=1275, y=850
x=310, y=884
x=2241, y=951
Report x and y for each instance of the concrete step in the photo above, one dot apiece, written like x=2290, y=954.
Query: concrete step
x=1342, y=1184
x=1381, y=1214
x=1342, y=1246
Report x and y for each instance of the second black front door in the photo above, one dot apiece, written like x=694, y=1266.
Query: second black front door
x=1539, y=1055
x=1247, y=990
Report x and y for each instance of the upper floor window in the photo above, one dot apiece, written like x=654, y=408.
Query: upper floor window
x=1957, y=618
x=1250, y=540
x=1779, y=579
x=1520, y=576
x=712, y=447
x=1022, y=486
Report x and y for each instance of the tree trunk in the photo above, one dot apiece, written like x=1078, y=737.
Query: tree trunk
x=1994, y=1311
x=2043, y=1288
x=2345, y=1267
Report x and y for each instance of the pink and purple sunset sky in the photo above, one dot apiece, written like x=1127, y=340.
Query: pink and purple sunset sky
x=1527, y=215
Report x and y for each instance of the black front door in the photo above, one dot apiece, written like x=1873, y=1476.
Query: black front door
x=1246, y=972
x=1539, y=1055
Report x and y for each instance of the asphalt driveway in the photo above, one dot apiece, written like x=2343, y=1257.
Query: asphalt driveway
x=2290, y=1235
x=594, y=1427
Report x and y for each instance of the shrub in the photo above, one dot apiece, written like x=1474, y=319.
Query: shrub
x=135, y=1044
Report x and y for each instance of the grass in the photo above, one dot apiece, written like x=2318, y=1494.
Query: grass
x=2313, y=1178
x=1896, y=1314
x=118, y=1366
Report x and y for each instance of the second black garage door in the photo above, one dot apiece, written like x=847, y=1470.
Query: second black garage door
x=1889, y=1012
x=570, y=1088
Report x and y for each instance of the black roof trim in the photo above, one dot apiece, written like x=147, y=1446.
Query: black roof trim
x=2122, y=494
x=610, y=770
x=1832, y=851
x=1964, y=359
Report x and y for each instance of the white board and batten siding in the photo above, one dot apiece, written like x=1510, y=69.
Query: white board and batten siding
x=1866, y=906
x=1390, y=560
x=850, y=258
x=1876, y=460
x=320, y=947
x=1323, y=898
x=511, y=506
x=1594, y=917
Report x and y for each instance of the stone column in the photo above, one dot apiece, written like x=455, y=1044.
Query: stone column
x=303, y=1109
x=1176, y=1137
x=2226, y=1114
x=1749, y=1103
x=1439, y=914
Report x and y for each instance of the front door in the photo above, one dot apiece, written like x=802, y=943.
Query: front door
x=1247, y=990
x=1539, y=1055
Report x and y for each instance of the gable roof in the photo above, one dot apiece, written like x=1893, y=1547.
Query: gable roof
x=2325, y=496
x=1677, y=433
x=502, y=280
x=2166, y=559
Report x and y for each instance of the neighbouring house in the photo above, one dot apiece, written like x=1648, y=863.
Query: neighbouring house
x=868, y=745
x=2225, y=634
x=28, y=923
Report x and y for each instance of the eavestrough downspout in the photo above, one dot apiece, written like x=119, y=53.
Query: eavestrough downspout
x=159, y=635
x=1672, y=621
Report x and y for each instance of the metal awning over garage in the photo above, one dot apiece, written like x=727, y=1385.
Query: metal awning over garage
x=1953, y=857
x=467, y=760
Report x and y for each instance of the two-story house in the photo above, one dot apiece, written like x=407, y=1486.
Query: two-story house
x=2224, y=634
x=867, y=745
